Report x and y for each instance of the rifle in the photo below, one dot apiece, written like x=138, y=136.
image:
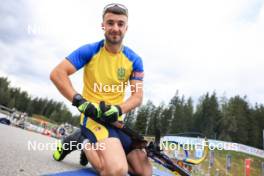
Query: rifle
x=155, y=153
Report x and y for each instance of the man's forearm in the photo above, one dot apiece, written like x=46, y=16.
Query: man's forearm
x=131, y=103
x=63, y=83
x=136, y=97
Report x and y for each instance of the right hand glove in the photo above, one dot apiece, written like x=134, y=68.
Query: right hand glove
x=110, y=113
x=89, y=109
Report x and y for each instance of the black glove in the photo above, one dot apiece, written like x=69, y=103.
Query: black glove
x=110, y=113
x=89, y=109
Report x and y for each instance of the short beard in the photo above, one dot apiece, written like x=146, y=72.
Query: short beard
x=114, y=42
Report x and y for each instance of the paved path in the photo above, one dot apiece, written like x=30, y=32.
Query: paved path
x=26, y=153
x=17, y=158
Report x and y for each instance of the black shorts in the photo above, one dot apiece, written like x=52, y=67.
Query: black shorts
x=108, y=131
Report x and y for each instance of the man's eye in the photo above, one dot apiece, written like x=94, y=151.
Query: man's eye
x=121, y=24
x=110, y=23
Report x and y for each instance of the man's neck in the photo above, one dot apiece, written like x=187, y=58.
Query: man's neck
x=113, y=48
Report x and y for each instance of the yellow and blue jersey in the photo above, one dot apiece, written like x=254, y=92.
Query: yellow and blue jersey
x=105, y=73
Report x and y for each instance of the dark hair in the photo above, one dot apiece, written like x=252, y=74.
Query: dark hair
x=115, y=8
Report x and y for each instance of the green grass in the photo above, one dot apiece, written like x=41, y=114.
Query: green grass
x=43, y=118
x=237, y=164
x=50, y=123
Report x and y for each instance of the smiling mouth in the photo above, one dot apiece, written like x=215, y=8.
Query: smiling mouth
x=115, y=35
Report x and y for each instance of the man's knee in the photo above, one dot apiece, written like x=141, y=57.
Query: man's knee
x=143, y=171
x=117, y=169
x=140, y=163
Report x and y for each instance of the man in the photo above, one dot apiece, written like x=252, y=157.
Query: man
x=108, y=66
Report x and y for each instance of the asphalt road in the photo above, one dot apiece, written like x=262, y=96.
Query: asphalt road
x=28, y=153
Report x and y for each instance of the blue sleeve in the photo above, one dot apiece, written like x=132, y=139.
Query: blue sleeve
x=138, y=70
x=84, y=54
x=138, y=65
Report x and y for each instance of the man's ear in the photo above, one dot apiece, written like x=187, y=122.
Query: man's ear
x=103, y=27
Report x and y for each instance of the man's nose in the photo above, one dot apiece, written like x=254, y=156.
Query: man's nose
x=115, y=27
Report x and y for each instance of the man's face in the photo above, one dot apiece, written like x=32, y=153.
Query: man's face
x=115, y=27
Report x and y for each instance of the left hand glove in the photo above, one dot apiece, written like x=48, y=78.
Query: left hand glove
x=110, y=112
x=89, y=109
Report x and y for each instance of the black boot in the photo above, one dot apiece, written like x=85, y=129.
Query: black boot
x=74, y=139
x=83, y=159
